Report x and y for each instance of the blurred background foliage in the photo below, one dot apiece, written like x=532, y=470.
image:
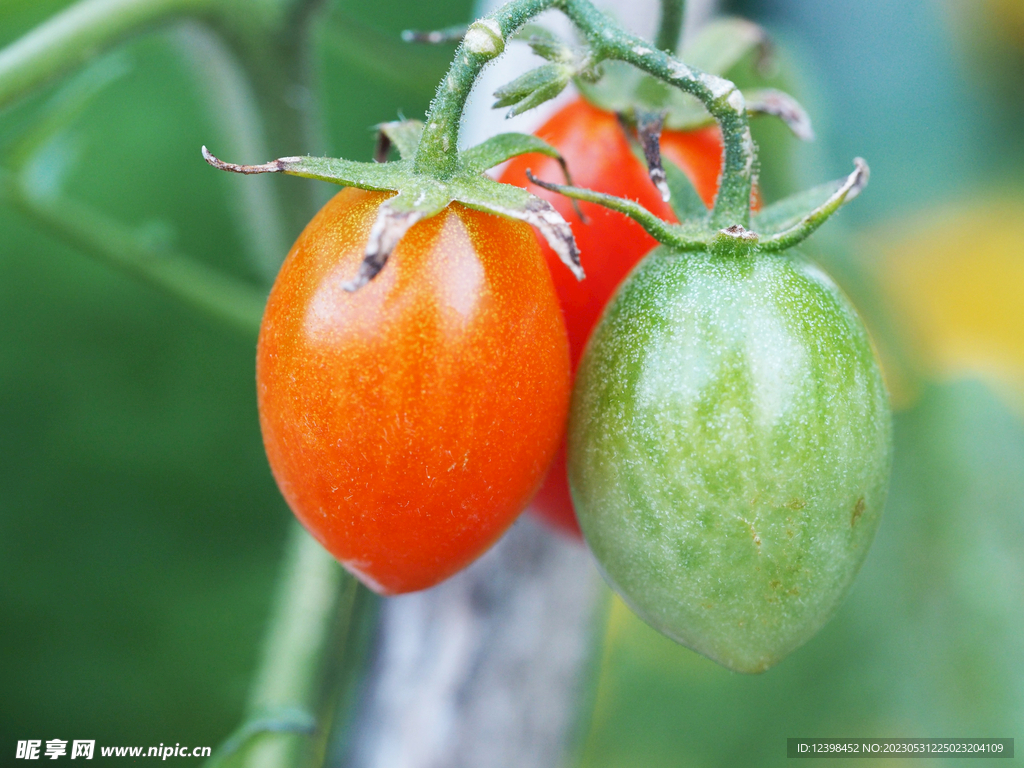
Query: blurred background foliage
x=141, y=531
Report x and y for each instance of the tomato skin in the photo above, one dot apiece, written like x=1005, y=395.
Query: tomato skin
x=729, y=450
x=599, y=157
x=409, y=423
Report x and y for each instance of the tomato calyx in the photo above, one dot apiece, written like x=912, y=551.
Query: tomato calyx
x=644, y=102
x=776, y=228
x=422, y=195
x=433, y=173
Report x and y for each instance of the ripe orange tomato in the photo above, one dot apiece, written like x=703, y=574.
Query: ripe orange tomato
x=600, y=158
x=408, y=424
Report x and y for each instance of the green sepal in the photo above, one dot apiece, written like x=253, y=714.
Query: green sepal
x=777, y=228
x=404, y=135
x=347, y=173
x=789, y=221
x=484, y=194
x=786, y=213
x=545, y=43
x=505, y=146
x=421, y=196
x=687, y=236
x=533, y=88
x=686, y=203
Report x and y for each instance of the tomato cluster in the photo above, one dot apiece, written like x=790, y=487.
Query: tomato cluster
x=729, y=442
x=408, y=423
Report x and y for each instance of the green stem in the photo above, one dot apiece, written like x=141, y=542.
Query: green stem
x=308, y=628
x=659, y=229
x=75, y=35
x=437, y=153
x=670, y=25
x=299, y=626
x=721, y=98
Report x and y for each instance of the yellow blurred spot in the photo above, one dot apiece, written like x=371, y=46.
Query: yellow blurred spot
x=956, y=278
x=1006, y=18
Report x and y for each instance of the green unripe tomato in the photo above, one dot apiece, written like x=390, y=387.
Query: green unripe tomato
x=729, y=450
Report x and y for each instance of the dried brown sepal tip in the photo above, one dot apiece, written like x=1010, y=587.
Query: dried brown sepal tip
x=388, y=229
x=857, y=180
x=382, y=147
x=783, y=106
x=541, y=215
x=648, y=131
x=274, y=166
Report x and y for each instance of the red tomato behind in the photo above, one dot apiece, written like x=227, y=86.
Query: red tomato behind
x=600, y=158
x=409, y=423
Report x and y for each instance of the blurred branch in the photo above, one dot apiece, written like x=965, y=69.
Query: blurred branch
x=209, y=290
x=234, y=108
x=309, y=629
x=66, y=105
x=77, y=34
x=284, y=721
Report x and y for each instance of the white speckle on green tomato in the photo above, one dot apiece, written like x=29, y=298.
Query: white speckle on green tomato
x=729, y=450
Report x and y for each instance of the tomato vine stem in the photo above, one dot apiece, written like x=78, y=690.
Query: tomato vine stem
x=437, y=153
x=310, y=626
